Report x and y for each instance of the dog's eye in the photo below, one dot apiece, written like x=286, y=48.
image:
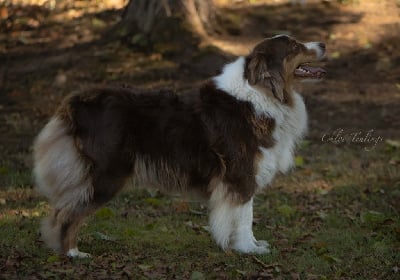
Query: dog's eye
x=295, y=47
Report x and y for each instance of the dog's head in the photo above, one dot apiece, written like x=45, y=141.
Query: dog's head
x=278, y=61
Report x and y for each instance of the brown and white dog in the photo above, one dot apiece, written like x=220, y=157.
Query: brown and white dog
x=226, y=142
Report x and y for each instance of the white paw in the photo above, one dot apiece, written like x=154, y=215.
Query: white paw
x=75, y=253
x=251, y=247
x=262, y=243
x=261, y=250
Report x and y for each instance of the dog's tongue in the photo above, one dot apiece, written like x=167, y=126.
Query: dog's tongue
x=314, y=70
x=309, y=71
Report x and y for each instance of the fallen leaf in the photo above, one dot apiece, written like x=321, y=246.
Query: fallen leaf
x=335, y=54
x=196, y=212
x=139, y=40
x=4, y=170
x=105, y=213
x=60, y=79
x=299, y=161
x=180, y=206
x=98, y=23
x=295, y=276
x=144, y=267
x=393, y=143
x=356, y=164
x=155, y=202
x=3, y=13
x=131, y=232
x=197, y=275
x=330, y=258
x=321, y=248
x=25, y=214
x=103, y=236
x=271, y=266
x=304, y=143
x=372, y=217
x=23, y=40
x=286, y=210
x=53, y=258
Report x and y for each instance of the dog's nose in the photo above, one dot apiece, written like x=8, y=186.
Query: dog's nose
x=322, y=46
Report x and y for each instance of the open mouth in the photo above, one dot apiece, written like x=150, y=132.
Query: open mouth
x=305, y=70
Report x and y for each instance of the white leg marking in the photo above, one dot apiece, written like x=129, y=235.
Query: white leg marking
x=243, y=240
x=75, y=253
x=231, y=226
x=221, y=217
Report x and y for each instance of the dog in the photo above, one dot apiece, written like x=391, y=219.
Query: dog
x=225, y=141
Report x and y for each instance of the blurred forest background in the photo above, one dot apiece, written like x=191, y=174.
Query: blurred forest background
x=49, y=48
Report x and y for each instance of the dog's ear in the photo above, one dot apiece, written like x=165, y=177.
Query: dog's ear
x=258, y=73
x=276, y=84
x=256, y=69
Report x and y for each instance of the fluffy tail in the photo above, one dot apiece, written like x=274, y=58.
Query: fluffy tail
x=61, y=174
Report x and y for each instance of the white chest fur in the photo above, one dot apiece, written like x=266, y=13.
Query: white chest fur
x=291, y=124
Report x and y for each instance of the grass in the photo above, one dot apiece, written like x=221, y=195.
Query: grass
x=324, y=221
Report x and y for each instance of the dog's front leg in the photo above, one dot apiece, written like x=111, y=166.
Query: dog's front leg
x=231, y=224
x=243, y=238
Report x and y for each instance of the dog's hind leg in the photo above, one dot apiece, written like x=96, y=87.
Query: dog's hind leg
x=60, y=230
x=69, y=232
x=74, y=186
x=50, y=231
x=61, y=174
x=105, y=188
x=70, y=219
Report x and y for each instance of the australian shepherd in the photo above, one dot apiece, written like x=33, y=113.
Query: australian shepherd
x=225, y=141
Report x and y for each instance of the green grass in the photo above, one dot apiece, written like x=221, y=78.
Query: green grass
x=330, y=219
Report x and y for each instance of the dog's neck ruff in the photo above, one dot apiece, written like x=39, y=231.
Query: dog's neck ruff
x=232, y=81
x=291, y=122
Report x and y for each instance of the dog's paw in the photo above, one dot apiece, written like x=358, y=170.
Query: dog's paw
x=75, y=253
x=251, y=247
x=262, y=243
x=263, y=249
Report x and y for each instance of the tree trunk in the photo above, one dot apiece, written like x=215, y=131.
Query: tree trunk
x=143, y=15
x=201, y=15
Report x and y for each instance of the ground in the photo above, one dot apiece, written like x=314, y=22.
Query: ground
x=336, y=216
